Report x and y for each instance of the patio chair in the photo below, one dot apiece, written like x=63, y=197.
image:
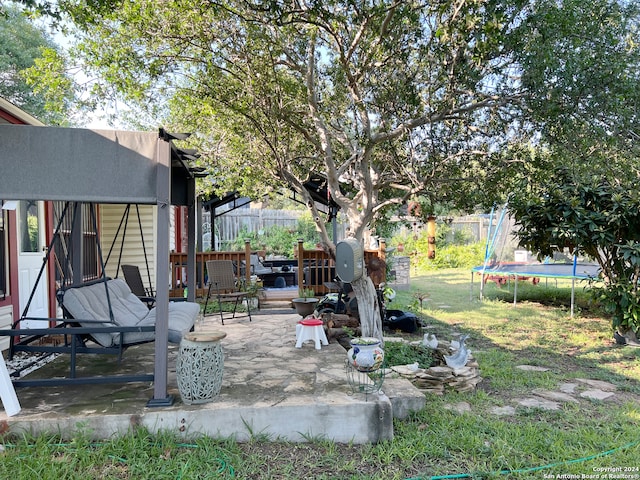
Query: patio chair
x=257, y=267
x=134, y=280
x=121, y=311
x=223, y=286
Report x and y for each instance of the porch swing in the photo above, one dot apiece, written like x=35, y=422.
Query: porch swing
x=101, y=316
x=131, y=273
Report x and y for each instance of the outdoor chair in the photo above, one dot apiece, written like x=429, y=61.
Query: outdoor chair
x=223, y=286
x=257, y=267
x=102, y=316
x=134, y=280
x=122, y=311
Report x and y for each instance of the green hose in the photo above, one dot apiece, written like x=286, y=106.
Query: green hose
x=530, y=469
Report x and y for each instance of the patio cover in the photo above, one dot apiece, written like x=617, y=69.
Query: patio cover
x=106, y=166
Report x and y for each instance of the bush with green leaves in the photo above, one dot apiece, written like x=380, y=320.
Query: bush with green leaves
x=595, y=216
x=279, y=240
x=402, y=353
x=454, y=249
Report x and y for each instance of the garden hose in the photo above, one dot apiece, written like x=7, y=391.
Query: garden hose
x=223, y=466
x=529, y=469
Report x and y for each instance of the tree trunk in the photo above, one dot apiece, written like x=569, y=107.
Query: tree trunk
x=368, y=308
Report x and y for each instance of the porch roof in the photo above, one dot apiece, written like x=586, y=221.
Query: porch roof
x=101, y=166
x=107, y=166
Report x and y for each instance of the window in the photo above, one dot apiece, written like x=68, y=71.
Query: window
x=63, y=247
x=29, y=226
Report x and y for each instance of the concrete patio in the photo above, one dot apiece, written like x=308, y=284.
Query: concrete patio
x=270, y=389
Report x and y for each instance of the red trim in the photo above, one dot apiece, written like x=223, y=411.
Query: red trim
x=51, y=271
x=181, y=222
x=6, y=300
x=13, y=263
x=10, y=118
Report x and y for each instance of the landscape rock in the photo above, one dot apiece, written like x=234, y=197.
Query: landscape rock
x=532, y=368
x=596, y=394
x=506, y=410
x=555, y=396
x=542, y=403
x=598, y=384
x=460, y=407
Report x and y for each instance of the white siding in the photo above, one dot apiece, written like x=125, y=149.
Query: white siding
x=132, y=252
x=6, y=319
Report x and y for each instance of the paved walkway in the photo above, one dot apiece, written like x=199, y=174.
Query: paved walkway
x=269, y=388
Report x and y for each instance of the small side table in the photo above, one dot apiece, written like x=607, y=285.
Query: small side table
x=200, y=366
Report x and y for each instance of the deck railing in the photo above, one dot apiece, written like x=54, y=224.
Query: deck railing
x=315, y=269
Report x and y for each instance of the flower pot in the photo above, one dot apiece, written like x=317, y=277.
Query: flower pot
x=366, y=354
x=305, y=306
x=252, y=302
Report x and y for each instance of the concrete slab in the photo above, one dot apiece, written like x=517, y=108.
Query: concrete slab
x=405, y=397
x=269, y=389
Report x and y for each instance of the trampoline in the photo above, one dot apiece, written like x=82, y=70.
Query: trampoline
x=522, y=271
x=502, y=245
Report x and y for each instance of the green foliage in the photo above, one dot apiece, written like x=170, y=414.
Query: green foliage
x=23, y=47
x=279, y=240
x=353, y=91
x=453, y=249
x=306, y=293
x=402, y=353
x=595, y=216
x=435, y=441
x=586, y=109
x=454, y=256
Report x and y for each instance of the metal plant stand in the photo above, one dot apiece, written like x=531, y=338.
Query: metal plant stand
x=364, y=382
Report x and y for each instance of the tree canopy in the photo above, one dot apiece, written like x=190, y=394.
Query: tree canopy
x=22, y=46
x=389, y=100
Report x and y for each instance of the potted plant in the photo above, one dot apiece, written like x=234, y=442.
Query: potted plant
x=253, y=289
x=366, y=353
x=306, y=303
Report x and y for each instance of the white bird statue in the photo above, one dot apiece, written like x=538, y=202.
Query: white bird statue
x=430, y=340
x=460, y=357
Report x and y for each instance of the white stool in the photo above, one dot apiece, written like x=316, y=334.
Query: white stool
x=310, y=329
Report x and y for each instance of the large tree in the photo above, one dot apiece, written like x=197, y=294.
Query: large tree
x=23, y=44
x=388, y=99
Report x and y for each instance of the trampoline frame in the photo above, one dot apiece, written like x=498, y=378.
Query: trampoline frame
x=573, y=271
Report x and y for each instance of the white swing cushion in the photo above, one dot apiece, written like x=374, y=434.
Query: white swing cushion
x=89, y=302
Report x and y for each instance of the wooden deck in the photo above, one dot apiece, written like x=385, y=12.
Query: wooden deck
x=313, y=269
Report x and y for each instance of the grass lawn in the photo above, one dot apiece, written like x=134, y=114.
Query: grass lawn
x=455, y=436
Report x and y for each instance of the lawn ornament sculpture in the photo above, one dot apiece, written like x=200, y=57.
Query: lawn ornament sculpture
x=460, y=357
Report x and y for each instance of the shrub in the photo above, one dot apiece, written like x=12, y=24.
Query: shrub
x=279, y=240
x=400, y=353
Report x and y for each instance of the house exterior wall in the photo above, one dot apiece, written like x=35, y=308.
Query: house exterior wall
x=9, y=301
x=6, y=319
x=133, y=252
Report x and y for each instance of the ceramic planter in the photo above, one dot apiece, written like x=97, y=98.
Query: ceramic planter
x=366, y=354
